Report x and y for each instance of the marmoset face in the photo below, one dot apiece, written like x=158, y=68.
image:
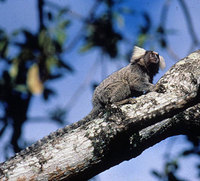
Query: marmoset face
x=153, y=57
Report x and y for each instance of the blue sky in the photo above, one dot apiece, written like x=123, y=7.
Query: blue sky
x=23, y=13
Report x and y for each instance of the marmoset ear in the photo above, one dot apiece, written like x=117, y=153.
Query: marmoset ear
x=137, y=53
x=162, y=62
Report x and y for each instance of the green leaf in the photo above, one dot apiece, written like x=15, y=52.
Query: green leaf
x=3, y=48
x=14, y=68
x=64, y=24
x=120, y=19
x=45, y=41
x=86, y=47
x=16, y=32
x=63, y=11
x=141, y=39
x=127, y=10
x=42, y=37
x=61, y=36
x=51, y=62
x=21, y=88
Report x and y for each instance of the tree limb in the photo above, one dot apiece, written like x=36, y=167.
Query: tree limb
x=88, y=147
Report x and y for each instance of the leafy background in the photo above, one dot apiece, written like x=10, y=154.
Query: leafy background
x=54, y=53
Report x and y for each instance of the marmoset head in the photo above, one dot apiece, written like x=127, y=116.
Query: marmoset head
x=150, y=60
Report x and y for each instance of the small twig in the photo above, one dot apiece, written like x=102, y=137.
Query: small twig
x=83, y=27
x=58, y=7
x=164, y=12
x=189, y=22
x=172, y=53
x=163, y=18
x=3, y=128
x=41, y=14
x=103, y=66
x=39, y=119
x=53, y=5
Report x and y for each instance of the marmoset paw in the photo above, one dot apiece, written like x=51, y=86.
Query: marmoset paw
x=160, y=88
x=126, y=101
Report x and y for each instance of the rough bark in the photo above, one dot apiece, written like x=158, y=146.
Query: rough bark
x=88, y=147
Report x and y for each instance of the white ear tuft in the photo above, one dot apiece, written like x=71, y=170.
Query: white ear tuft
x=137, y=53
x=162, y=62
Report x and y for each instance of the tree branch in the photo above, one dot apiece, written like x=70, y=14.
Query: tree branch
x=88, y=147
x=40, y=4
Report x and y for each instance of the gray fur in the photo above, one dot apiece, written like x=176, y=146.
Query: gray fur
x=131, y=81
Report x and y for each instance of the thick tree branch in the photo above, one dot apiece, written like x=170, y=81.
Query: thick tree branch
x=88, y=147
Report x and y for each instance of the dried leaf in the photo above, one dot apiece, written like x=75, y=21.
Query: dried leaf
x=14, y=68
x=33, y=80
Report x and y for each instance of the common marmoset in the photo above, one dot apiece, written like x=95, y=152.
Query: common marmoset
x=131, y=81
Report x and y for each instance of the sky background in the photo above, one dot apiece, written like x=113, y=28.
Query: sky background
x=23, y=13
